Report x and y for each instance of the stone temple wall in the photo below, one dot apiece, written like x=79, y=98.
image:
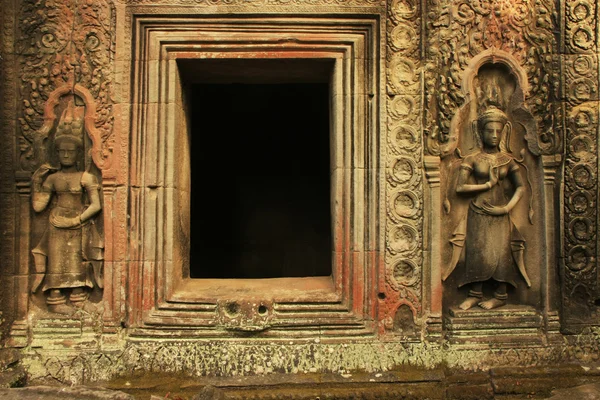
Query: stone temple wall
x=463, y=184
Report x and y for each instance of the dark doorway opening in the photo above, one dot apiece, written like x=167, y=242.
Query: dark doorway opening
x=260, y=190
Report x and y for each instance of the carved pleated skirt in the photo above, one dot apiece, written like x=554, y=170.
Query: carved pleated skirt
x=488, y=250
x=69, y=253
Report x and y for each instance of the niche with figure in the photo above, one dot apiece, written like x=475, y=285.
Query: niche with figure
x=492, y=190
x=68, y=250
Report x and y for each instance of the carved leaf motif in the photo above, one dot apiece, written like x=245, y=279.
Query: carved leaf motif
x=62, y=42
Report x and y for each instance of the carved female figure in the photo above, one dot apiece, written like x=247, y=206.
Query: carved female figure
x=70, y=251
x=492, y=245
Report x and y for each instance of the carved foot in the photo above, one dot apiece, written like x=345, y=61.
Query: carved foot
x=61, y=309
x=469, y=302
x=492, y=303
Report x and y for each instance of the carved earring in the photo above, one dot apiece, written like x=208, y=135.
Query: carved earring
x=505, y=142
x=476, y=137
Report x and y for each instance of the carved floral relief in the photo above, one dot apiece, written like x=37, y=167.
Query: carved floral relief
x=65, y=43
x=458, y=30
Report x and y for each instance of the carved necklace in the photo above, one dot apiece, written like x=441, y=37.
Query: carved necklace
x=494, y=159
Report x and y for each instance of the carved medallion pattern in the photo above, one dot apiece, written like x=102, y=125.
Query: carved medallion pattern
x=404, y=177
x=580, y=283
x=458, y=30
x=65, y=43
x=256, y=2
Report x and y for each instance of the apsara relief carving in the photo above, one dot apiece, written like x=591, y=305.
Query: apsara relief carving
x=69, y=255
x=493, y=246
x=66, y=55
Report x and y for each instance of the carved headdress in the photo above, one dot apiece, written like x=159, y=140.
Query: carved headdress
x=70, y=126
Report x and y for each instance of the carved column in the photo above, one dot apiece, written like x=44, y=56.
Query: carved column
x=549, y=279
x=432, y=273
x=12, y=225
x=18, y=331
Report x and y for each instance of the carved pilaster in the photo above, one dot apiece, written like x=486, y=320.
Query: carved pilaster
x=19, y=328
x=111, y=284
x=432, y=273
x=8, y=196
x=549, y=279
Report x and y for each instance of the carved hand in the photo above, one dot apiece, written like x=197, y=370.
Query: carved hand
x=493, y=176
x=42, y=171
x=64, y=222
x=494, y=210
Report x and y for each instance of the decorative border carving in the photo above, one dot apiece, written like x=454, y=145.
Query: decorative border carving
x=580, y=288
x=404, y=181
x=340, y=307
x=256, y=3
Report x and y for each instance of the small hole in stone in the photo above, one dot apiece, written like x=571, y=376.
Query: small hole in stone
x=262, y=309
x=597, y=302
x=381, y=296
x=232, y=308
x=123, y=324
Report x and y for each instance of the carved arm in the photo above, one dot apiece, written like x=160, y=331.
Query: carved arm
x=95, y=207
x=517, y=181
x=42, y=191
x=464, y=187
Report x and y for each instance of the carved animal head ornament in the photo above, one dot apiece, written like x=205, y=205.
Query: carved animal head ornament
x=493, y=114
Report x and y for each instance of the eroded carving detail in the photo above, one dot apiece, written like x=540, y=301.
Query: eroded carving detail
x=459, y=30
x=404, y=177
x=65, y=43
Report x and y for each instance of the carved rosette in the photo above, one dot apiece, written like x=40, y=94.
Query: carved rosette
x=580, y=274
x=459, y=30
x=65, y=44
x=404, y=180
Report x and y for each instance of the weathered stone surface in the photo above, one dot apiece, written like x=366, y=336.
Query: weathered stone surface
x=583, y=392
x=210, y=393
x=9, y=357
x=13, y=377
x=57, y=393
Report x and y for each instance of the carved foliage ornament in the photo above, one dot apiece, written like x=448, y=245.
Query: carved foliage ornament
x=460, y=29
x=65, y=44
